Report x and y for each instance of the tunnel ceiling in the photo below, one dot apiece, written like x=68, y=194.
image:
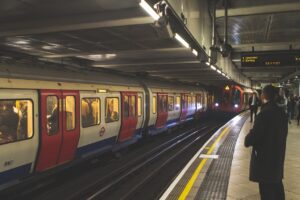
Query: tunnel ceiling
x=99, y=34
x=261, y=26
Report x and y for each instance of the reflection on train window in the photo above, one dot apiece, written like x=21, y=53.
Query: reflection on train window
x=111, y=110
x=140, y=107
x=90, y=112
x=154, y=104
x=52, y=115
x=126, y=106
x=70, y=113
x=162, y=103
x=177, y=103
x=132, y=106
x=171, y=103
x=16, y=120
x=236, y=97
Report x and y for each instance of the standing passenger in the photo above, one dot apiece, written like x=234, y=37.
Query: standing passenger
x=268, y=141
x=253, y=105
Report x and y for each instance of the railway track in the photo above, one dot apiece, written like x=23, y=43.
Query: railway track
x=139, y=168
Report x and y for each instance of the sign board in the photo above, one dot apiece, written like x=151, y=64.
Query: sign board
x=261, y=59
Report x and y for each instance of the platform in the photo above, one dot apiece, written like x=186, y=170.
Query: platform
x=220, y=169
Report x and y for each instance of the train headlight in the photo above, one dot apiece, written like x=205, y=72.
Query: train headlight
x=236, y=105
x=217, y=104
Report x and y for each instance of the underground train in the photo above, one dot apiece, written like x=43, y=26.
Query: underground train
x=231, y=99
x=54, y=117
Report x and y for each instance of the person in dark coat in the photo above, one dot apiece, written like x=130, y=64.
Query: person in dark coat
x=268, y=141
x=253, y=105
x=9, y=121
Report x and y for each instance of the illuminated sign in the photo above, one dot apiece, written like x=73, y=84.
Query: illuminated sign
x=265, y=59
x=227, y=87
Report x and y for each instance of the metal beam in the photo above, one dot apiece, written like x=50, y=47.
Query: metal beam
x=138, y=63
x=120, y=53
x=257, y=10
x=124, y=17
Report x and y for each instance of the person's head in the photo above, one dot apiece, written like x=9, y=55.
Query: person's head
x=254, y=94
x=269, y=93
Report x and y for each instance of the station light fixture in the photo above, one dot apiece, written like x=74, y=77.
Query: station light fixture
x=213, y=67
x=149, y=10
x=195, y=52
x=181, y=40
x=219, y=71
x=207, y=63
x=101, y=90
x=223, y=74
x=21, y=42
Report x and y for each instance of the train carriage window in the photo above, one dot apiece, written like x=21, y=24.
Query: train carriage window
x=16, y=120
x=171, y=103
x=90, y=112
x=140, y=106
x=126, y=107
x=111, y=110
x=154, y=105
x=70, y=113
x=132, y=106
x=52, y=115
x=177, y=103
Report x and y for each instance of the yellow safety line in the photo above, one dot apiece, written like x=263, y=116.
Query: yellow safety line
x=192, y=180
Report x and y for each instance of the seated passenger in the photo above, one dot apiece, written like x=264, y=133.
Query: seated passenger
x=111, y=115
x=53, y=121
x=9, y=121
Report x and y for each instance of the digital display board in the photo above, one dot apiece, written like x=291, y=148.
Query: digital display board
x=262, y=59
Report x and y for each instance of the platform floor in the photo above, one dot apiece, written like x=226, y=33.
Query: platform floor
x=240, y=188
x=224, y=173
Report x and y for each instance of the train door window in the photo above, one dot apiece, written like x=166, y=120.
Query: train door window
x=90, y=112
x=162, y=103
x=177, y=103
x=52, y=115
x=16, y=120
x=140, y=106
x=171, y=103
x=126, y=107
x=132, y=106
x=70, y=113
x=154, y=105
x=111, y=110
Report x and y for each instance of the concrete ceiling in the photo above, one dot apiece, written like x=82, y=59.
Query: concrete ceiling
x=99, y=34
x=262, y=26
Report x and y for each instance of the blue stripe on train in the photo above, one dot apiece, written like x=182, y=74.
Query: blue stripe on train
x=14, y=173
x=97, y=147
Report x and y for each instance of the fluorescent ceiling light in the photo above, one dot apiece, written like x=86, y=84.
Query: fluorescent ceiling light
x=219, y=71
x=213, y=67
x=207, y=63
x=21, y=41
x=223, y=74
x=181, y=40
x=195, y=52
x=149, y=10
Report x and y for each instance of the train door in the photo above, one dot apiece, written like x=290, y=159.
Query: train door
x=184, y=106
x=129, y=115
x=140, y=110
x=59, y=127
x=162, y=110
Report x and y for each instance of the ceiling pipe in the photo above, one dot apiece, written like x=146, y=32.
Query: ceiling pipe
x=226, y=22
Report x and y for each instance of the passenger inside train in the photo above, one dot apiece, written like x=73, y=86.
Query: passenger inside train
x=15, y=120
x=112, y=110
